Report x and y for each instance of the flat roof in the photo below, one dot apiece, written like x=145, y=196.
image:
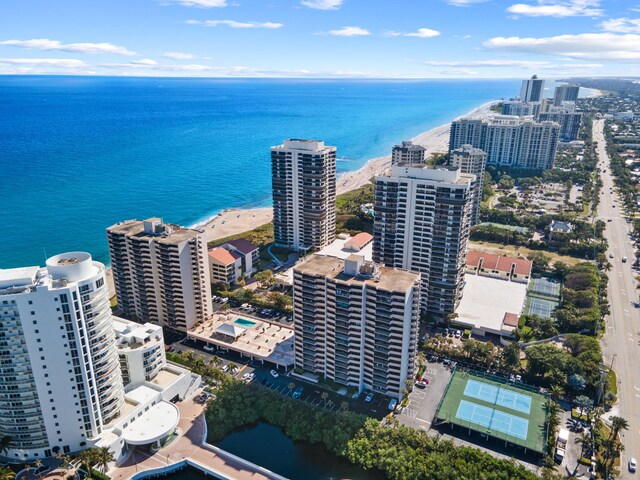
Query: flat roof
x=390, y=279
x=141, y=394
x=165, y=377
x=18, y=277
x=135, y=228
x=485, y=300
x=156, y=423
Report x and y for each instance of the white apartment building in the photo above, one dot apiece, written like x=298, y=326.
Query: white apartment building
x=161, y=272
x=356, y=323
x=510, y=141
x=422, y=222
x=408, y=153
x=61, y=384
x=471, y=160
x=304, y=194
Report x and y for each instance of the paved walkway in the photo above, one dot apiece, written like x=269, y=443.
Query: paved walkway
x=189, y=445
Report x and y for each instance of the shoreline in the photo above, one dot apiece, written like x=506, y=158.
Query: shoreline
x=233, y=221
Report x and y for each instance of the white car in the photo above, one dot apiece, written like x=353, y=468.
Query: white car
x=633, y=465
x=209, y=348
x=369, y=397
x=225, y=368
x=274, y=374
x=458, y=334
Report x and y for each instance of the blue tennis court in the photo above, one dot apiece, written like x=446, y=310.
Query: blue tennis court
x=498, y=395
x=493, y=419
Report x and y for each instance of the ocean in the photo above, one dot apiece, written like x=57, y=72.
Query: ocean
x=78, y=154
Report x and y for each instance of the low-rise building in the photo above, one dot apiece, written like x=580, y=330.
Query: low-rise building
x=499, y=266
x=358, y=241
x=233, y=260
x=559, y=227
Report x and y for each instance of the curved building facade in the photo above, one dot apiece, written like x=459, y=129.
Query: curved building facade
x=60, y=378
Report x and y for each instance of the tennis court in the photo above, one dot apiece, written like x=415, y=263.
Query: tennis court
x=540, y=307
x=491, y=406
x=494, y=394
x=493, y=419
x=545, y=286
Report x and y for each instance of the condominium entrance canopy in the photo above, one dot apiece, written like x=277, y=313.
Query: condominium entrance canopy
x=155, y=424
x=230, y=330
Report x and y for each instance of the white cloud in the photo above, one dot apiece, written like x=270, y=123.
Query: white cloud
x=322, y=4
x=178, y=55
x=203, y=3
x=462, y=72
x=46, y=44
x=349, y=32
x=47, y=62
x=234, y=24
x=489, y=63
x=588, y=46
x=464, y=3
x=621, y=25
x=558, y=8
x=421, y=33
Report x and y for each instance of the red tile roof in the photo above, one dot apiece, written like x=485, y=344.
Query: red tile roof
x=510, y=319
x=498, y=262
x=222, y=255
x=361, y=239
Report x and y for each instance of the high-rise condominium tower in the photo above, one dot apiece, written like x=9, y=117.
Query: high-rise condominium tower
x=356, y=323
x=532, y=90
x=565, y=93
x=407, y=152
x=304, y=194
x=511, y=141
x=471, y=160
x=161, y=272
x=60, y=381
x=422, y=221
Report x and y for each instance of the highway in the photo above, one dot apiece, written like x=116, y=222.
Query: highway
x=621, y=342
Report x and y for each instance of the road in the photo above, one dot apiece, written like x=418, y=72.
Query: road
x=620, y=343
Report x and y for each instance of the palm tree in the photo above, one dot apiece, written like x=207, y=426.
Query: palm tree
x=344, y=406
x=324, y=397
x=291, y=386
x=232, y=366
x=557, y=392
x=36, y=465
x=87, y=457
x=586, y=442
x=103, y=458
x=6, y=473
x=618, y=424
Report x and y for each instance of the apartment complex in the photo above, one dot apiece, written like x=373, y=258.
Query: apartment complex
x=408, y=153
x=569, y=124
x=161, y=272
x=510, y=141
x=72, y=375
x=471, y=160
x=230, y=262
x=356, y=323
x=532, y=90
x=422, y=222
x=565, y=93
x=304, y=194
x=521, y=109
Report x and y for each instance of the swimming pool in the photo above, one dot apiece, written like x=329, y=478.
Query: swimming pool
x=244, y=323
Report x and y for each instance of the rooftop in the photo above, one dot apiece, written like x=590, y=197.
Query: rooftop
x=390, y=279
x=486, y=300
x=360, y=240
x=169, y=234
x=242, y=245
x=222, y=255
x=490, y=261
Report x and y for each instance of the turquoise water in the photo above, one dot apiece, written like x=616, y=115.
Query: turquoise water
x=81, y=153
x=244, y=323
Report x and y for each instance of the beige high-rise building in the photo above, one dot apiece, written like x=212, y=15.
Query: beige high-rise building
x=422, y=223
x=471, y=160
x=304, y=194
x=161, y=272
x=356, y=323
x=408, y=152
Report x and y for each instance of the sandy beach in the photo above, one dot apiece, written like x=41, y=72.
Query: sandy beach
x=235, y=220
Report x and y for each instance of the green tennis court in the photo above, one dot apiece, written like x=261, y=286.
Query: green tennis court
x=545, y=286
x=495, y=408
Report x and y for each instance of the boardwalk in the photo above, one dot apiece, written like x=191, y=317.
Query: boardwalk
x=189, y=445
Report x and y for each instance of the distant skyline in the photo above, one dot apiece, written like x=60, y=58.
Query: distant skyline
x=321, y=38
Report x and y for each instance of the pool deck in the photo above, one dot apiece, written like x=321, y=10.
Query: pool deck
x=266, y=341
x=191, y=445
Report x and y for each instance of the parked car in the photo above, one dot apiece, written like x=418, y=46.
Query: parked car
x=225, y=368
x=203, y=397
x=369, y=397
x=518, y=378
x=298, y=392
x=274, y=374
x=209, y=348
x=633, y=465
x=611, y=255
x=624, y=259
x=421, y=383
x=458, y=334
x=392, y=404
x=248, y=377
x=512, y=377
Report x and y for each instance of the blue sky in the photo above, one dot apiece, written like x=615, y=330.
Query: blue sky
x=321, y=38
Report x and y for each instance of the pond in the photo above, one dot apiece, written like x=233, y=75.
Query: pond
x=268, y=446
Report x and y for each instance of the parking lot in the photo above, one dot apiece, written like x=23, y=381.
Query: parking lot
x=423, y=402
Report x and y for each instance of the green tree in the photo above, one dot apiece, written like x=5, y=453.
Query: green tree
x=618, y=424
x=103, y=457
x=511, y=355
x=265, y=278
x=583, y=403
x=6, y=473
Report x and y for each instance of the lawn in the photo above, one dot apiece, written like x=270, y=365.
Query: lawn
x=500, y=249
